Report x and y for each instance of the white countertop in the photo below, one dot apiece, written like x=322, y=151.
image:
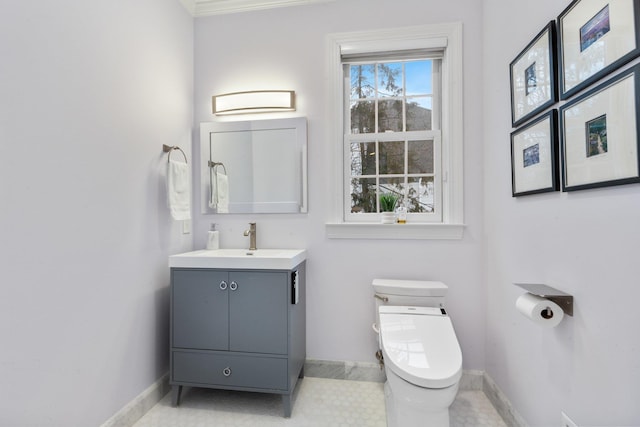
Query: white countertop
x=260, y=259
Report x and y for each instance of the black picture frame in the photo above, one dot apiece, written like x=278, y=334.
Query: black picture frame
x=533, y=77
x=600, y=134
x=595, y=37
x=534, y=156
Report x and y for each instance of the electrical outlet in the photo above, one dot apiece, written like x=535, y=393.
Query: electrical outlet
x=567, y=422
x=186, y=226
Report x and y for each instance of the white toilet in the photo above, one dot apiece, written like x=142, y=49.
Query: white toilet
x=422, y=357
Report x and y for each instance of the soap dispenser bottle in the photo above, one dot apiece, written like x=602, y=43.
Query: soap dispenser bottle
x=213, y=239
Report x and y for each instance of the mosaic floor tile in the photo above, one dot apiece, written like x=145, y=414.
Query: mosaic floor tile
x=317, y=402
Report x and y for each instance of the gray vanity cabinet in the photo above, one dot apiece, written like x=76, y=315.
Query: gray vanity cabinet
x=196, y=301
x=258, y=312
x=238, y=330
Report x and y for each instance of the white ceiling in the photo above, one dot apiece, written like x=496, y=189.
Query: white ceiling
x=217, y=7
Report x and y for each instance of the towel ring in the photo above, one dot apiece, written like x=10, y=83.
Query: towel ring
x=214, y=165
x=213, y=168
x=168, y=149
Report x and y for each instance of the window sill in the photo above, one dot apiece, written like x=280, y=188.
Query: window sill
x=410, y=231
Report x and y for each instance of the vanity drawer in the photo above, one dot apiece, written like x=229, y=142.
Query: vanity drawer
x=229, y=370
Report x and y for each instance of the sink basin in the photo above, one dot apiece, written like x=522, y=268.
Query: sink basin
x=260, y=259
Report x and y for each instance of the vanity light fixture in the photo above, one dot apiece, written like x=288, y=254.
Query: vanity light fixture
x=257, y=101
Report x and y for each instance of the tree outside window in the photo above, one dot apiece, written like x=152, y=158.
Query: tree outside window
x=390, y=148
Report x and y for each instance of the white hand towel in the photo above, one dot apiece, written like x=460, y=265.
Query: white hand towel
x=222, y=193
x=178, y=195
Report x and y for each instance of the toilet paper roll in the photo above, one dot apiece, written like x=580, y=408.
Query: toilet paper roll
x=540, y=310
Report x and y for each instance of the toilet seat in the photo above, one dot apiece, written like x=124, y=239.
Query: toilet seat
x=420, y=345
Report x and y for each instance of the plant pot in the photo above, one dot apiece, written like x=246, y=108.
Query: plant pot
x=388, y=217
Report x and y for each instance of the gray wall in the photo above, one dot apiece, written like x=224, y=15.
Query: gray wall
x=285, y=48
x=89, y=92
x=585, y=243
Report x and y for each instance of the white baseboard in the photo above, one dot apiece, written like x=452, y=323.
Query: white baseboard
x=504, y=407
x=356, y=371
x=140, y=405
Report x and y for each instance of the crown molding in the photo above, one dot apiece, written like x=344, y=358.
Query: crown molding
x=199, y=8
x=190, y=5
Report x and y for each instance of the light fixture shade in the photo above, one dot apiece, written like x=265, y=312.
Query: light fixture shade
x=257, y=101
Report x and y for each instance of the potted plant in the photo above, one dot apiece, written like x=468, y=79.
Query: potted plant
x=387, y=207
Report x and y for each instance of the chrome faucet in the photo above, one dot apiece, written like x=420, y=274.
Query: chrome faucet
x=251, y=232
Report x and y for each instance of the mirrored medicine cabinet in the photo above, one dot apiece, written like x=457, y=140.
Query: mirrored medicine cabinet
x=256, y=166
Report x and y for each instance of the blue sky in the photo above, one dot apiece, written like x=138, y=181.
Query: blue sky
x=418, y=76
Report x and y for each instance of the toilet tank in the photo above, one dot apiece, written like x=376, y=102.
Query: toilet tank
x=420, y=293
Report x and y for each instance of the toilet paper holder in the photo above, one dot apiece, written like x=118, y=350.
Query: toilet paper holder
x=564, y=300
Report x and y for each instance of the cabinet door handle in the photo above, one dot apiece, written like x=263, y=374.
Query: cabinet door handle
x=226, y=372
x=223, y=285
x=233, y=286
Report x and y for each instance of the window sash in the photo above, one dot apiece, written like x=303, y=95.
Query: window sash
x=433, y=134
x=436, y=95
x=370, y=217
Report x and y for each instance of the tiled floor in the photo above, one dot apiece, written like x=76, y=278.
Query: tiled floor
x=318, y=402
x=473, y=409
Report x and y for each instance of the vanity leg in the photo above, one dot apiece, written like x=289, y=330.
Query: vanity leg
x=176, y=390
x=286, y=405
x=301, y=374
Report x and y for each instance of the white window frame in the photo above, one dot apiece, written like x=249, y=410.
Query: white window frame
x=448, y=36
x=434, y=135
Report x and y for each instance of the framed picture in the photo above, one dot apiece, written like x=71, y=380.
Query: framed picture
x=599, y=134
x=596, y=37
x=534, y=154
x=533, y=82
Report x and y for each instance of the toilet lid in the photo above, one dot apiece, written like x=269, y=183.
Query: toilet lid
x=420, y=346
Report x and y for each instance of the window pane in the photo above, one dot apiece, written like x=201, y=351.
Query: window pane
x=363, y=158
x=390, y=79
x=362, y=81
x=363, y=195
x=390, y=116
x=363, y=117
x=391, y=157
x=420, y=195
x=420, y=157
x=392, y=185
x=419, y=112
x=419, y=77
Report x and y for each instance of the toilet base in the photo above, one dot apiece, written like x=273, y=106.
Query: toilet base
x=408, y=405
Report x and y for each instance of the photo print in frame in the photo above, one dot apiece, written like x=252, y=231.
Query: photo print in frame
x=533, y=77
x=599, y=134
x=534, y=156
x=595, y=37
x=596, y=141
